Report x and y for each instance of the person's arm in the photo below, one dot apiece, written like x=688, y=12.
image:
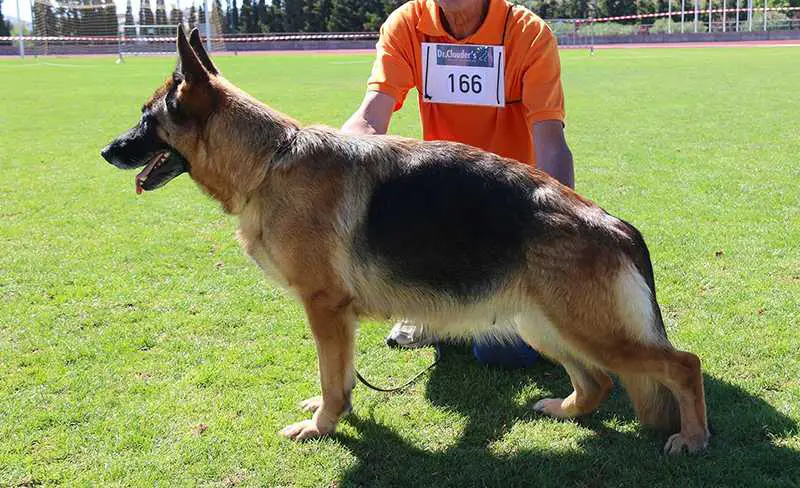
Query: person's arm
x=552, y=153
x=392, y=74
x=543, y=98
x=373, y=116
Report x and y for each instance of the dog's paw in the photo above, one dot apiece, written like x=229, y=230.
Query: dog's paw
x=307, y=429
x=690, y=444
x=311, y=404
x=551, y=407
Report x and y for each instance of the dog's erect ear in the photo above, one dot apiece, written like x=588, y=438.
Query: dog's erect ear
x=191, y=67
x=202, y=55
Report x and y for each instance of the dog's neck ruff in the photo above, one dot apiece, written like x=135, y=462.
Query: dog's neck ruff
x=285, y=145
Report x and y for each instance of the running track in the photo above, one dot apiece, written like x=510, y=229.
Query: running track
x=785, y=43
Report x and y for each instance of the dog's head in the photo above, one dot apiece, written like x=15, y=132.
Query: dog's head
x=166, y=138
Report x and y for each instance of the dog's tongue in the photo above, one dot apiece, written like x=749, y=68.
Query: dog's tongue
x=142, y=176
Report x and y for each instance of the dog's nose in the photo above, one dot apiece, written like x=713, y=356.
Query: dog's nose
x=106, y=153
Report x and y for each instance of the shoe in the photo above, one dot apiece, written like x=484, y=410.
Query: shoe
x=409, y=335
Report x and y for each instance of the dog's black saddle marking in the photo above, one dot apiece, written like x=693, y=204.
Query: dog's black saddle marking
x=454, y=227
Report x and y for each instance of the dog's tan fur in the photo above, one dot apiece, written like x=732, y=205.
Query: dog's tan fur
x=580, y=298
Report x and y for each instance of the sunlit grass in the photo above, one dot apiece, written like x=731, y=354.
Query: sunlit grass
x=138, y=346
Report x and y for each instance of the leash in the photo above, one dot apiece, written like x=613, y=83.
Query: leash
x=436, y=358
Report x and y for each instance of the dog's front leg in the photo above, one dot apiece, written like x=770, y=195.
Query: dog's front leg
x=333, y=322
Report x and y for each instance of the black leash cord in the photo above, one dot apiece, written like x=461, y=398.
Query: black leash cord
x=437, y=356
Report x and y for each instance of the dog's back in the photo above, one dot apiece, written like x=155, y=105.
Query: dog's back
x=441, y=221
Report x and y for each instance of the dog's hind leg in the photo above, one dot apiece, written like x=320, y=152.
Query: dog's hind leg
x=333, y=323
x=666, y=385
x=645, y=369
x=591, y=385
x=618, y=329
x=649, y=370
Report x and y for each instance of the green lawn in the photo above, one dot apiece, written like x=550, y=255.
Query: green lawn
x=139, y=347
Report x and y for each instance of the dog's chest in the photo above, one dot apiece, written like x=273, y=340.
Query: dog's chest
x=254, y=239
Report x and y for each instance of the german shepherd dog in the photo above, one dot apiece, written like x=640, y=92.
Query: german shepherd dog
x=439, y=232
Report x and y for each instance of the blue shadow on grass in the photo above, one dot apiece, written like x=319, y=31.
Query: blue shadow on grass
x=741, y=453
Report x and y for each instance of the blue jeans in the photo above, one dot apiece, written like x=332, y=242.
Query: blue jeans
x=505, y=354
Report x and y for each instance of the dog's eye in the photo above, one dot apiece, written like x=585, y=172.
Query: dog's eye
x=174, y=110
x=172, y=106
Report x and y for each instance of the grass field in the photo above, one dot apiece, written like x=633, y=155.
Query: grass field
x=139, y=347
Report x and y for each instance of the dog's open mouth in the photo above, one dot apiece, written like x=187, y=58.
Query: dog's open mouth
x=161, y=168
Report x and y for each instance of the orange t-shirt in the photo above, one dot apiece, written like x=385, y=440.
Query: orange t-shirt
x=532, y=76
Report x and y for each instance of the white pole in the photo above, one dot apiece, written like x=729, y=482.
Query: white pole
x=594, y=14
x=696, y=14
x=765, y=15
x=669, y=16
x=21, y=30
x=709, y=15
x=724, y=16
x=208, y=26
x=737, y=15
x=750, y=15
x=683, y=13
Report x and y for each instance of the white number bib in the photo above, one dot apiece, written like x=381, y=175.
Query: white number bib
x=463, y=74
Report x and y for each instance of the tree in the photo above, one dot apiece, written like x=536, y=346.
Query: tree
x=262, y=16
x=175, y=16
x=192, y=17
x=248, y=19
x=293, y=15
x=244, y=15
x=129, y=20
x=110, y=20
x=232, y=17
x=201, y=15
x=94, y=19
x=317, y=13
x=346, y=16
x=218, y=15
x=5, y=26
x=74, y=21
x=44, y=19
x=372, y=14
x=615, y=7
x=146, y=16
x=69, y=21
x=161, y=18
x=79, y=17
x=276, y=16
x=82, y=15
x=546, y=9
x=390, y=6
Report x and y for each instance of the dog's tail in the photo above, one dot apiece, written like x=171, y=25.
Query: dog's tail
x=655, y=405
x=640, y=256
